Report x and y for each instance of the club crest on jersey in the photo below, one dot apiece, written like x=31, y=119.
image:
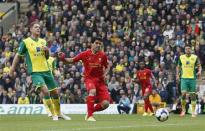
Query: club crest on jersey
x=38, y=49
x=187, y=62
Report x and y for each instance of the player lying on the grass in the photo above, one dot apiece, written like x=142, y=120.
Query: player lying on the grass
x=36, y=53
x=143, y=77
x=95, y=63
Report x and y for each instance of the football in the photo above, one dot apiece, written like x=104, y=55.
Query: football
x=162, y=114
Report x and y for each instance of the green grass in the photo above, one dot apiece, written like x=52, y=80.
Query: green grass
x=104, y=123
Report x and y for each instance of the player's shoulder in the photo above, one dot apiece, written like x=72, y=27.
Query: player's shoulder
x=26, y=40
x=148, y=70
x=42, y=41
x=182, y=56
x=194, y=56
x=102, y=53
x=86, y=52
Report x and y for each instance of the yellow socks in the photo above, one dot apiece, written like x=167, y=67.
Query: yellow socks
x=56, y=103
x=48, y=104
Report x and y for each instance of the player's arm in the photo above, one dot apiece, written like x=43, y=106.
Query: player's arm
x=154, y=79
x=198, y=64
x=106, y=66
x=21, y=51
x=70, y=60
x=14, y=64
x=178, y=68
x=46, y=50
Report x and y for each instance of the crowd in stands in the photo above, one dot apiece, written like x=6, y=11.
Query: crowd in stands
x=155, y=31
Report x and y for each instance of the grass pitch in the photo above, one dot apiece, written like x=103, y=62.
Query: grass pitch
x=103, y=123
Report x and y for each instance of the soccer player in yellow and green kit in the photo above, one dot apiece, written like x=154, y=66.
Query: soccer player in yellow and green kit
x=36, y=53
x=188, y=68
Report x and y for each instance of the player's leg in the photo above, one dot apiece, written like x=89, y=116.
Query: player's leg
x=193, y=95
x=47, y=109
x=147, y=103
x=54, y=93
x=184, y=95
x=40, y=84
x=149, y=92
x=91, y=89
x=103, y=97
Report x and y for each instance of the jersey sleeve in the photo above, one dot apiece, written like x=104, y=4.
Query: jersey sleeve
x=79, y=57
x=149, y=72
x=22, y=49
x=54, y=65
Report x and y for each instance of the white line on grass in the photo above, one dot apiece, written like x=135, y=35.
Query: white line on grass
x=120, y=127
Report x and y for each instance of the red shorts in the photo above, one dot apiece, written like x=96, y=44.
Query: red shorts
x=101, y=89
x=146, y=89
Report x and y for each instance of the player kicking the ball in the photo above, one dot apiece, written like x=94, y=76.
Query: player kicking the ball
x=96, y=67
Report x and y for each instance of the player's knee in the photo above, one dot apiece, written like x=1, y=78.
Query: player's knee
x=193, y=96
x=54, y=92
x=45, y=91
x=92, y=92
x=105, y=104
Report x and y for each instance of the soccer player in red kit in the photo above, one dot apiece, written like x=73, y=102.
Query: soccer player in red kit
x=95, y=63
x=143, y=77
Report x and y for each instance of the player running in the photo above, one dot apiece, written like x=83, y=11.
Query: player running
x=143, y=77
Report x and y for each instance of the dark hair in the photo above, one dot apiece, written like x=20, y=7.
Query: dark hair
x=96, y=38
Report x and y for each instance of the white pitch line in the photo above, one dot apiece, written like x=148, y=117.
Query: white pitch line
x=120, y=127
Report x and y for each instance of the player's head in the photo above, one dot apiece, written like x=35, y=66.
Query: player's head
x=188, y=49
x=142, y=64
x=97, y=44
x=35, y=28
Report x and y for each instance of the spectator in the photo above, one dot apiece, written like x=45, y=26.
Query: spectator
x=23, y=99
x=155, y=99
x=124, y=103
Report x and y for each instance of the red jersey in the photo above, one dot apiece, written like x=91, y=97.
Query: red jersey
x=144, y=77
x=94, y=64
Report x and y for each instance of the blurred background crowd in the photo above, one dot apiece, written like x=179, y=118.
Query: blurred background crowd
x=132, y=30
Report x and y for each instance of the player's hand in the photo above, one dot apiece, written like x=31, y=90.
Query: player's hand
x=61, y=56
x=198, y=75
x=45, y=48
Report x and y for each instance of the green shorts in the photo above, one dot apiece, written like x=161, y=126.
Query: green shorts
x=188, y=85
x=40, y=79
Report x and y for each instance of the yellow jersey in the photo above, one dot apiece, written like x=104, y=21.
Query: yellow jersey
x=23, y=101
x=188, y=66
x=32, y=49
x=51, y=63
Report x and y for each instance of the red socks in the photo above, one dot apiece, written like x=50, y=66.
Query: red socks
x=98, y=107
x=148, y=105
x=90, y=105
